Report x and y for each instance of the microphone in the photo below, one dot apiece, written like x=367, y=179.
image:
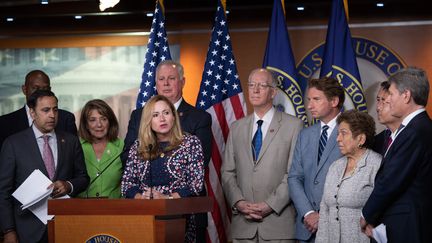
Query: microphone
x=150, y=147
x=100, y=173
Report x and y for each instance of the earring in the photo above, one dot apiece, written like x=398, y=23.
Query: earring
x=359, y=145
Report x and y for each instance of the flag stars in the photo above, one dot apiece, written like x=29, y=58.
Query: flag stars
x=219, y=33
x=147, y=83
x=214, y=52
x=226, y=81
x=218, y=76
x=165, y=48
x=225, y=47
x=215, y=87
x=229, y=71
x=209, y=72
x=224, y=91
x=157, y=44
x=212, y=62
x=222, y=23
x=235, y=86
x=236, y=76
x=161, y=24
x=227, y=37
x=220, y=66
x=213, y=97
x=149, y=74
x=223, y=57
x=204, y=93
x=154, y=53
x=152, y=64
x=207, y=83
x=202, y=103
x=217, y=42
x=231, y=61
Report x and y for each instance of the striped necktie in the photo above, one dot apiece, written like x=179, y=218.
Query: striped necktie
x=322, y=141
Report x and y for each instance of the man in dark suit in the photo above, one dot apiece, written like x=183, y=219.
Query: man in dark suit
x=19, y=120
x=57, y=154
x=402, y=196
x=170, y=81
x=383, y=139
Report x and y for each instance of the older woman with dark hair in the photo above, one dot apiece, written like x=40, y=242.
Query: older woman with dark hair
x=164, y=162
x=349, y=181
x=98, y=131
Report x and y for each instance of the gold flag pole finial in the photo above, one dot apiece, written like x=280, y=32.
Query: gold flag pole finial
x=224, y=5
x=345, y=2
x=162, y=5
x=283, y=6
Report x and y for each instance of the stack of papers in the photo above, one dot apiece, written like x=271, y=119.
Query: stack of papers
x=33, y=194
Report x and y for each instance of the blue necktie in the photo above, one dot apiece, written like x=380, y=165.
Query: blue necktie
x=322, y=141
x=257, y=140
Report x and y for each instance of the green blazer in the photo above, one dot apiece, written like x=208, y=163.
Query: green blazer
x=107, y=184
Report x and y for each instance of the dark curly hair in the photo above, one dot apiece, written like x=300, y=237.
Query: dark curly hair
x=359, y=123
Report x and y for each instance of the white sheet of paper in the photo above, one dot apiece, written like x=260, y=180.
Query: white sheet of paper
x=34, y=195
x=380, y=234
x=33, y=189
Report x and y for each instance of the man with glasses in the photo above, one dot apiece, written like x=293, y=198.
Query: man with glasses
x=20, y=120
x=315, y=151
x=254, y=170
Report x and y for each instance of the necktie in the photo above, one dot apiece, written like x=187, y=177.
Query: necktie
x=388, y=141
x=257, y=140
x=48, y=157
x=322, y=141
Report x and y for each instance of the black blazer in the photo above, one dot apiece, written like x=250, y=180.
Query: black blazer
x=192, y=120
x=380, y=141
x=402, y=196
x=17, y=121
x=19, y=157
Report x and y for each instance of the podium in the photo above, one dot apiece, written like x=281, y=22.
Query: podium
x=122, y=220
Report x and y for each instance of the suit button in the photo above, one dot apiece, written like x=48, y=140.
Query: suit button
x=337, y=207
x=97, y=194
x=316, y=182
x=335, y=196
x=337, y=219
x=338, y=185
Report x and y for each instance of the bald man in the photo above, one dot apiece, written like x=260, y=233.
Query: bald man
x=257, y=157
x=20, y=120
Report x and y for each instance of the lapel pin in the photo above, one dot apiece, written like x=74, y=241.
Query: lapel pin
x=62, y=140
x=180, y=113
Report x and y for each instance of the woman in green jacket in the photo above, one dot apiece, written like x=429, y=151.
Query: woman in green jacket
x=98, y=131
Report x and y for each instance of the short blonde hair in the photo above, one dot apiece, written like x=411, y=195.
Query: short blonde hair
x=148, y=147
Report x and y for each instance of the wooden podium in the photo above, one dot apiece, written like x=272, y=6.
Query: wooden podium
x=127, y=220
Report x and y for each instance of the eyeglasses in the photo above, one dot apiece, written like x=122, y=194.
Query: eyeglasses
x=261, y=86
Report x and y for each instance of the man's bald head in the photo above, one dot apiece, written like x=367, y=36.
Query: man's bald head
x=35, y=80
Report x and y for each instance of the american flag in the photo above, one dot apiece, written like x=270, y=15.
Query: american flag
x=220, y=95
x=157, y=51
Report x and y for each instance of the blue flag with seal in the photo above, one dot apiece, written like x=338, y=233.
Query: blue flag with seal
x=339, y=59
x=279, y=59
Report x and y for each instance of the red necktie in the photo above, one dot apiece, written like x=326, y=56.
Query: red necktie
x=48, y=157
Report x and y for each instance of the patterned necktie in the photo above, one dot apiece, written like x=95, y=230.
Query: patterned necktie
x=389, y=141
x=322, y=141
x=257, y=140
x=48, y=157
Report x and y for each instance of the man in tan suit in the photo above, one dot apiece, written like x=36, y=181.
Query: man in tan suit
x=254, y=171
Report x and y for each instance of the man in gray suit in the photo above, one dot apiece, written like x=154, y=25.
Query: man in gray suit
x=255, y=167
x=315, y=150
x=57, y=154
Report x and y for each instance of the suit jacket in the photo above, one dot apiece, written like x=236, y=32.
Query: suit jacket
x=402, y=196
x=306, y=178
x=192, y=120
x=17, y=121
x=339, y=217
x=105, y=174
x=262, y=181
x=19, y=157
x=381, y=140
